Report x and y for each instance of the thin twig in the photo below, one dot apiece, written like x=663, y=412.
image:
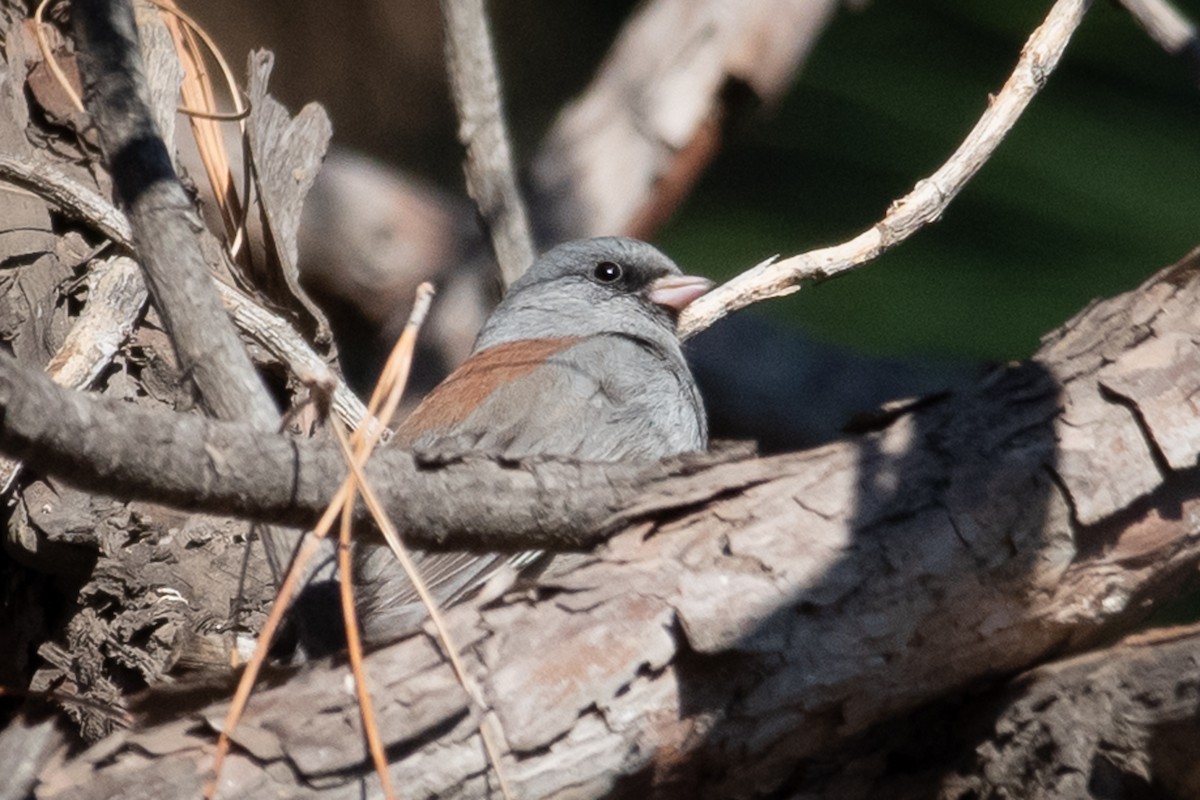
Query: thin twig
x=491, y=177
x=283, y=597
x=115, y=300
x=53, y=184
x=279, y=338
x=354, y=644
x=114, y=714
x=385, y=399
x=923, y=205
x=393, y=381
x=392, y=536
x=341, y=505
x=200, y=106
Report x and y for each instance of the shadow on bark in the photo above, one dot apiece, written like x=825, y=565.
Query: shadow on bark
x=946, y=495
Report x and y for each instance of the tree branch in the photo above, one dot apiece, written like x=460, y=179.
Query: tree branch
x=626, y=152
x=116, y=299
x=1121, y=717
x=264, y=327
x=925, y=204
x=196, y=464
x=163, y=221
x=491, y=176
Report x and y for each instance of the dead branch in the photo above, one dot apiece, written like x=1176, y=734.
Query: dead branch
x=1122, y=717
x=116, y=298
x=164, y=223
x=491, y=176
x=622, y=156
x=923, y=205
x=260, y=325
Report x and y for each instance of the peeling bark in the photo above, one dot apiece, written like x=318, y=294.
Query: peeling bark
x=1121, y=722
x=732, y=650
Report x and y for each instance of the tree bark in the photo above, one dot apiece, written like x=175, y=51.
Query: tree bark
x=745, y=645
x=165, y=225
x=1119, y=722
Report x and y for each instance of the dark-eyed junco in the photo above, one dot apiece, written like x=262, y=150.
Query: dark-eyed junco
x=579, y=359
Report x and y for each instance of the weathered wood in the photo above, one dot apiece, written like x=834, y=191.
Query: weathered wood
x=626, y=152
x=1117, y=723
x=165, y=225
x=287, y=153
x=754, y=619
x=116, y=298
x=716, y=652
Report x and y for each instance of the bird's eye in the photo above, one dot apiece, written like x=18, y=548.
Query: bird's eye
x=607, y=272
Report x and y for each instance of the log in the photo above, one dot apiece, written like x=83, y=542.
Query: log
x=723, y=649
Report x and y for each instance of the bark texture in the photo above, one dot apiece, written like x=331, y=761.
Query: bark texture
x=744, y=646
x=1120, y=722
x=102, y=597
x=165, y=225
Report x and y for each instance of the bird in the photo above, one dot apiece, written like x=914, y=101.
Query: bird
x=580, y=359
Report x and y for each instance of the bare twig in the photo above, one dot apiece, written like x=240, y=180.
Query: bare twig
x=491, y=177
x=48, y=56
x=923, y=205
x=341, y=506
x=277, y=336
x=200, y=105
x=78, y=201
x=287, y=590
x=391, y=385
x=163, y=221
x=354, y=648
x=392, y=535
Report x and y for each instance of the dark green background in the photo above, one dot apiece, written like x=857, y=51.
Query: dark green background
x=1097, y=186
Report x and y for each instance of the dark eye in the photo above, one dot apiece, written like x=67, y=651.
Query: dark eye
x=607, y=272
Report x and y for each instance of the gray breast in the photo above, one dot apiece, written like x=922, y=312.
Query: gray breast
x=608, y=398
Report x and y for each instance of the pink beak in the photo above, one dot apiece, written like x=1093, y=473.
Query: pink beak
x=677, y=291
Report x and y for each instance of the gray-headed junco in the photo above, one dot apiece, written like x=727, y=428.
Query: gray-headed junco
x=580, y=359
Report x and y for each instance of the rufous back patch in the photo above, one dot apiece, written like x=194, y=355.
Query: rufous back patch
x=453, y=400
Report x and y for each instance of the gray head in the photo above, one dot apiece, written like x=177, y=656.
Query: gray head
x=605, y=285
